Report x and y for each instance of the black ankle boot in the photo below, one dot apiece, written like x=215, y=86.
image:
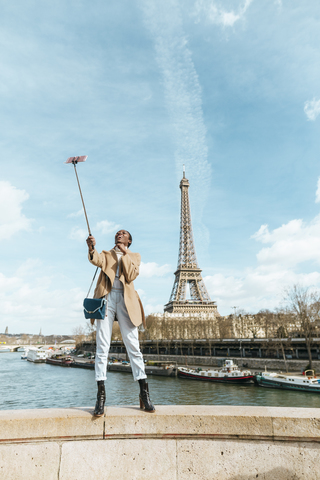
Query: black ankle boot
x=101, y=398
x=145, y=402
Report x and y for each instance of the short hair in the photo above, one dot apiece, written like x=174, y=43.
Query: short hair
x=130, y=237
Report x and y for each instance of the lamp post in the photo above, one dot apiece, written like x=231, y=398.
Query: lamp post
x=234, y=318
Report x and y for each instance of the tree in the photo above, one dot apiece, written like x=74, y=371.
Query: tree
x=79, y=334
x=237, y=320
x=267, y=321
x=252, y=326
x=116, y=334
x=225, y=326
x=91, y=330
x=283, y=323
x=304, y=306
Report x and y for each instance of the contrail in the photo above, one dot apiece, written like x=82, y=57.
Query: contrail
x=182, y=96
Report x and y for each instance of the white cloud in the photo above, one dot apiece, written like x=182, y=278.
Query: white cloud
x=150, y=308
x=152, y=269
x=79, y=213
x=107, y=227
x=104, y=226
x=78, y=234
x=312, y=108
x=141, y=292
x=217, y=15
x=12, y=219
x=29, y=266
x=255, y=289
x=290, y=245
x=28, y=302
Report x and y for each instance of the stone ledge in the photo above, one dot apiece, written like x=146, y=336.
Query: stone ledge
x=191, y=421
x=49, y=424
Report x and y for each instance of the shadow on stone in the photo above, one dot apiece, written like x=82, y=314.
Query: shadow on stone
x=279, y=473
x=89, y=410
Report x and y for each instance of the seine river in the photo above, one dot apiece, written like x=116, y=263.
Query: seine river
x=28, y=385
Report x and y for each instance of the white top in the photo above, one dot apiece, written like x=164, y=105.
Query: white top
x=117, y=284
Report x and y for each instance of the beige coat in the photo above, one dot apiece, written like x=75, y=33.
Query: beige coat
x=128, y=272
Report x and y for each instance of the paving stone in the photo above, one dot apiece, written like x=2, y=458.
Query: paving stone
x=247, y=460
x=139, y=459
x=29, y=461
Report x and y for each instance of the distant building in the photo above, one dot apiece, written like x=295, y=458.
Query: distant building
x=6, y=331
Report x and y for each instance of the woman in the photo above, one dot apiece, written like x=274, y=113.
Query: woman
x=119, y=268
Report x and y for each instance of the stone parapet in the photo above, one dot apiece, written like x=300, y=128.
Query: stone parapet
x=176, y=442
x=49, y=424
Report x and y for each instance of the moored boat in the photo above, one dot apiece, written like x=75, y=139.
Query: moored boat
x=36, y=355
x=309, y=382
x=164, y=369
x=24, y=354
x=229, y=373
x=83, y=362
x=60, y=360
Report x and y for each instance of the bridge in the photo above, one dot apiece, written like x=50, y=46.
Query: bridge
x=15, y=348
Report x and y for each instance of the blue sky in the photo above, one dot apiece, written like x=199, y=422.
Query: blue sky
x=230, y=89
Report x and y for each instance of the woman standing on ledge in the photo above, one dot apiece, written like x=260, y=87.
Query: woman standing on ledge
x=119, y=268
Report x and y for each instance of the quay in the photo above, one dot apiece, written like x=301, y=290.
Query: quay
x=245, y=348
x=175, y=443
x=252, y=353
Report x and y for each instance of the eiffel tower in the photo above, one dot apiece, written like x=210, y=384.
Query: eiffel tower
x=188, y=274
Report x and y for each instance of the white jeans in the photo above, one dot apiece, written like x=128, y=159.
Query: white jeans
x=129, y=332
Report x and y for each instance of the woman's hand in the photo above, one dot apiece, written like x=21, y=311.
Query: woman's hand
x=91, y=242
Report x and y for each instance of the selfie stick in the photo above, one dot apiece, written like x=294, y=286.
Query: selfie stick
x=74, y=161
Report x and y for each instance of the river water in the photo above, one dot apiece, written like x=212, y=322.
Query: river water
x=25, y=384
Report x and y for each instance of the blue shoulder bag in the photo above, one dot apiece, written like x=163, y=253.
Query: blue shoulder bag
x=94, y=307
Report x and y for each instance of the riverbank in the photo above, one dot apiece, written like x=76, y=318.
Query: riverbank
x=175, y=443
x=256, y=364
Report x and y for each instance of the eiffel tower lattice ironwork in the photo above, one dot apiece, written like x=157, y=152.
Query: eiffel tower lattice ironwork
x=188, y=274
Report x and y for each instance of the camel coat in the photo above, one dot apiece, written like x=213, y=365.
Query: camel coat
x=128, y=272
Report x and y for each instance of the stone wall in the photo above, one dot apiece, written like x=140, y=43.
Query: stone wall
x=175, y=443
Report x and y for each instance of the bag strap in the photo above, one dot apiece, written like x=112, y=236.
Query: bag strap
x=94, y=276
